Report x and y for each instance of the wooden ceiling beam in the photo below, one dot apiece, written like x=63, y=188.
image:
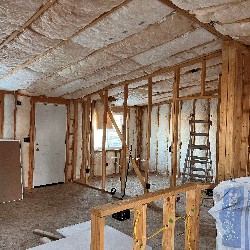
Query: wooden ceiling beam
x=192, y=17
x=27, y=23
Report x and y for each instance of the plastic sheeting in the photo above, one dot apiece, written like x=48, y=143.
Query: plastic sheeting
x=232, y=214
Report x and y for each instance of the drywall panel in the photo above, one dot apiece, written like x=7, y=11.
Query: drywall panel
x=22, y=131
x=79, y=142
x=163, y=138
x=10, y=171
x=153, y=139
x=8, y=125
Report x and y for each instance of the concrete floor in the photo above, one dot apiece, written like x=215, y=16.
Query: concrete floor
x=52, y=207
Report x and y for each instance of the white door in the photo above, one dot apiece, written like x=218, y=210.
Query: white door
x=49, y=145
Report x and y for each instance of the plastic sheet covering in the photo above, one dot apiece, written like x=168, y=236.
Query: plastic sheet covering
x=232, y=214
x=14, y=13
x=170, y=28
x=65, y=18
x=185, y=42
x=128, y=20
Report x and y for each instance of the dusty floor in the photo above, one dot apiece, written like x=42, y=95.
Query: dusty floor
x=52, y=207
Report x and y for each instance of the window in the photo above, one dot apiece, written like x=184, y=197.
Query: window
x=112, y=138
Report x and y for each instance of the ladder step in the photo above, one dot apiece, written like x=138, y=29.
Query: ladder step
x=201, y=147
x=200, y=121
x=198, y=134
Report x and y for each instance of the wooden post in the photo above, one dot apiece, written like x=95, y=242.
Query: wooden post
x=104, y=129
x=140, y=227
x=175, y=113
x=74, y=156
x=124, y=146
x=66, y=171
x=1, y=114
x=169, y=221
x=83, y=167
x=231, y=111
x=203, y=78
x=32, y=141
x=97, y=232
x=139, y=135
x=149, y=130
x=192, y=219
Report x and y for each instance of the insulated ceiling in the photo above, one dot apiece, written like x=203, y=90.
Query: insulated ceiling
x=76, y=48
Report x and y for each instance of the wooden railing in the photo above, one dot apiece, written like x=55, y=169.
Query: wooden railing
x=139, y=205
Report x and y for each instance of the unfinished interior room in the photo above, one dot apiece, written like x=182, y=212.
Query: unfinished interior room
x=124, y=124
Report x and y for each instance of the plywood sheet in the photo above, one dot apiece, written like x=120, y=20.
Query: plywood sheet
x=10, y=171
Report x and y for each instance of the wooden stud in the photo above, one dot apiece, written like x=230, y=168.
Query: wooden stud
x=83, y=166
x=203, y=78
x=104, y=129
x=124, y=146
x=148, y=131
x=97, y=232
x=192, y=219
x=169, y=221
x=140, y=227
x=31, y=148
x=54, y=100
x=179, y=143
x=88, y=111
x=157, y=138
x=1, y=114
x=139, y=135
x=175, y=113
x=15, y=111
x=66, y=171
x=74, y=155
x=92, y=139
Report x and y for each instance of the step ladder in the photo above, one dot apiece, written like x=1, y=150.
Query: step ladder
x=198, y=163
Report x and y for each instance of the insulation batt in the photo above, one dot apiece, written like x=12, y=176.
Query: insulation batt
x=16, y=12
x=128, y=20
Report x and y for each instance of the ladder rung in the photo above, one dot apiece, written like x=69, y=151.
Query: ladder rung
x=201, y=162
x=198, y=134
x=199, y=147
x=200, y=121
x=198, y=175
x=198, y=169
x=199, y=158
